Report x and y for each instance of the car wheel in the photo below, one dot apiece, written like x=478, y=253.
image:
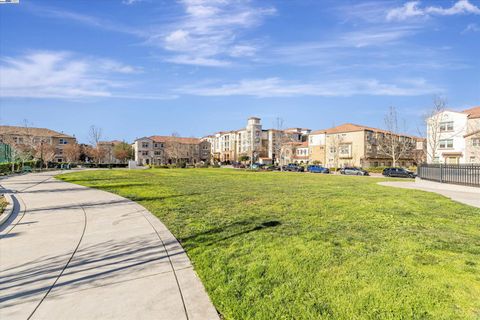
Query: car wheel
x=359, y=174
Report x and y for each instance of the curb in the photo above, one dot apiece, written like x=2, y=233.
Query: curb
x=8, y=210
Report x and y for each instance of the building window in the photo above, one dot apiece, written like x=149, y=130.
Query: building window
x=144, y=144
x=158, y=153
x=476, y=142
x=62, y=141
x=144, y=153
x=472, y=159
x=446, y=126
x=446, y=144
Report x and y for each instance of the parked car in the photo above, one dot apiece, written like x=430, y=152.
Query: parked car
x=317, y=169
x=272, y=168
x=398, y=172
x=238, y=165
x=256, y=166
x=293, y=167
x=354, y=171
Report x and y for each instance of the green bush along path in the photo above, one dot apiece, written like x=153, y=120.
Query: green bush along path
x=278, y=245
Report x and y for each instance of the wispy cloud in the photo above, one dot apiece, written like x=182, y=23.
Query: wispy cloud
x=47, y=74
x=472, y=27
x=87, y=20
x=413, y=9
x=276, y=87
x=130, y=2
x=209, y=32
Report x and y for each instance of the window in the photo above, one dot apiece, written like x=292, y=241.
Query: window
x=62, y=141
x=158, y=153
x=144, y=153
x=446, y=144
x=472, y=159
x=476, y=142
x=144, y=144
x=446, y=126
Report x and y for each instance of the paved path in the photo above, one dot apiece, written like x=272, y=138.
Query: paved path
x=467, y=195
x=72, y=252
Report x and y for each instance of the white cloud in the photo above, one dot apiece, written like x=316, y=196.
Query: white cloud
x=87, y=20
x=460, y=7
x=409, y=9
x=130, y=2
x=472, y=27
x=210, y=32
x=46, y=74
x=275, y=87
x=412, y=9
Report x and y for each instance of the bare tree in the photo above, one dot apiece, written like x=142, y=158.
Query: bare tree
x=49, y=153
x=280, y=142
x=95, y=136
x=72, y=152
x=173, y=148
x=392, y=144
x=334, y=142
x=431, y=123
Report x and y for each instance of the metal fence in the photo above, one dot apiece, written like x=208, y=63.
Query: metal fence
x=463, y=174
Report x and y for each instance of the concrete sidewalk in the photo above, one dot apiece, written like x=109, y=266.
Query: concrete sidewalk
x=70, y=252
x=463, y=194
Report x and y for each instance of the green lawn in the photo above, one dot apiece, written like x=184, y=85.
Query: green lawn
x=3, y=203
x=302, y=246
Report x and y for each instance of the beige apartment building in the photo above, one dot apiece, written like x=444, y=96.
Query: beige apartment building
x=253, y=142
x=472, y=137
x=108, y=148
x=158, y=150
x=356, y=145
x=35, y=137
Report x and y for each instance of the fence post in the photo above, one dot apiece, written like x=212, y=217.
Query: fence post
x=441, y=173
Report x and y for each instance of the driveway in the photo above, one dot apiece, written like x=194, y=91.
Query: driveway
x=70, y=252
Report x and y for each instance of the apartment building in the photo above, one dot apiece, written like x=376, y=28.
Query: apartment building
x=19, y=137
x=453, y=137
x=253, y=142
x=357, y=145
x=108, y=148
x=295, y=152
x=157, y=150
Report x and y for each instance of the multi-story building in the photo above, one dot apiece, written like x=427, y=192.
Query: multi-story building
x=356, y=145
x=453, y=137
x=295, y=152
x=253, y=142
x=108, y=148
x=35, y=137
x=158, y=150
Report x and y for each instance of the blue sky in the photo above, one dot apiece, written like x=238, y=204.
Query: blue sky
x=143, y=67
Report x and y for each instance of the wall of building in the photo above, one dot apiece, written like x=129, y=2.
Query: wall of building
x=456, y=135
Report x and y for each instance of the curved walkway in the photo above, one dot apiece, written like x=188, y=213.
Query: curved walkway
x=71, y=252
x=463, y=194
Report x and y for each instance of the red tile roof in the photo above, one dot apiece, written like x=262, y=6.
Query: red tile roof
x=473, y=113
x=39, y=132
x=351, y=127
x=175, y=139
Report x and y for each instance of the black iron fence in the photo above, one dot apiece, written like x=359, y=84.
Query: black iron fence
x=463, y=174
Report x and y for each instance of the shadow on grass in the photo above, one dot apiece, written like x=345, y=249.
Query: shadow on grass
x=213, y=236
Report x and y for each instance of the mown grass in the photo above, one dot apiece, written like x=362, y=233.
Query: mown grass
x=302, y=246
x=3, y=203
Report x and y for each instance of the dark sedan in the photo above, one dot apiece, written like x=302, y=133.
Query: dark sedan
x=398, y=173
